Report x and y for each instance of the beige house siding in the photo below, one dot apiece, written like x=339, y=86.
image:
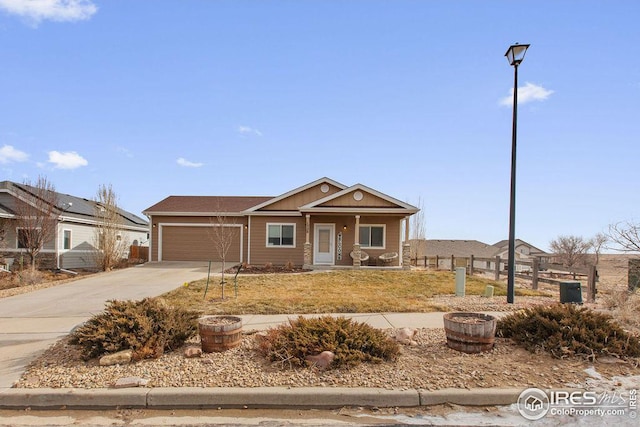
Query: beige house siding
x=293, y=202
x=262, y=254
x=368, y=200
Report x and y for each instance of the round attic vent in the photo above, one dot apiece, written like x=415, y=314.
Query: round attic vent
x=324, y=188
x=358, y=195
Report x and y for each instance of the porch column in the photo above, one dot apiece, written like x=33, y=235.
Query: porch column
x=356, y=243
x=307, y=243
x=406, y=247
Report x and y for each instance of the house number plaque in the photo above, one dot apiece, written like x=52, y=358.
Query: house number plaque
x=339, y=250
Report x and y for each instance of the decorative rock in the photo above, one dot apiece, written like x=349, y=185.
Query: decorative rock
x=405, y=336
x=130, y=382
x=322, y=360
x=120, y=358
x=192, y=352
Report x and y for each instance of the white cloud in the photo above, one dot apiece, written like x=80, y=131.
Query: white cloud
x=186, y=163
x=246, y=130
x=9, y=154
x=527, y=93
x=54, y=10
x=68, y=160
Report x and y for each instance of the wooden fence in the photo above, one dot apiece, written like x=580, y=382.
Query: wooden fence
x=531, y=270
x=139, y=252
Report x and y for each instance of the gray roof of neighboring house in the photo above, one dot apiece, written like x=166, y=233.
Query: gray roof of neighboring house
x=458, y=248
x=504, y=244
x=78, y=207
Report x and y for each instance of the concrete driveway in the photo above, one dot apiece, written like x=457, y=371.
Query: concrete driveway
x=31, y=322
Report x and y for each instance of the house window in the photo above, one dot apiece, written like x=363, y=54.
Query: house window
x=281, y=235
x=27, y=236
x=66, y=239
x=372, y=236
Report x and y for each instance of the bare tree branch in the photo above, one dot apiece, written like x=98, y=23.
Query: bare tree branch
x=222, y=235
x=37, y=215
x=110, y=243
x=625, y=237
x=571, y=250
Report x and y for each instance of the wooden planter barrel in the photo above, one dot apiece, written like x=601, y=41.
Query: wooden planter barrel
x=470, y=332
x=219, y=333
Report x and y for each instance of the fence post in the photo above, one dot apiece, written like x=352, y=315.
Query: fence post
x=497, y=268
x=437, y=262
x=591, y=283
x=426, y=265
x=453, y=261
x=534, y=274
x=471, y=266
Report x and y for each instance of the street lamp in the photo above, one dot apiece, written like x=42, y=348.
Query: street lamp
x=515, y=55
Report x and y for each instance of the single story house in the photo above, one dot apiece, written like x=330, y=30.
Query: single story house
x=524, y=251
x=323, y=223
x=74, y=243
x=462, y=250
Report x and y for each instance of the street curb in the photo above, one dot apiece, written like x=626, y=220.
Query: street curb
x=248, y=398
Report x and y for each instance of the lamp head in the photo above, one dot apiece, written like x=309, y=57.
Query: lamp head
x=515, y=53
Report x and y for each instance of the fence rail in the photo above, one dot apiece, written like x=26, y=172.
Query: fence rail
x=531, y=270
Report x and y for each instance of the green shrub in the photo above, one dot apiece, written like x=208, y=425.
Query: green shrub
x=351, y=342
x=148, y=327
x=566, y=330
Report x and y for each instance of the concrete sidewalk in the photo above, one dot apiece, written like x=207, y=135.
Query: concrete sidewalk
x=258, y=322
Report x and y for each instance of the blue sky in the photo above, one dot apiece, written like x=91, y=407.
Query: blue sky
x=201, y=97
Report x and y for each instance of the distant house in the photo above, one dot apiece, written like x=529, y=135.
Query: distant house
x=458, y=248
x=322, y=223
x=464, y=249
x=73, y=246
x=524, y=251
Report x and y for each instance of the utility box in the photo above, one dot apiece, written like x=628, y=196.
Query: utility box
x=571, y=292
x=461, y=281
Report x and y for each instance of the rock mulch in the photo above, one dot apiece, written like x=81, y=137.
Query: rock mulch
x=427, y=363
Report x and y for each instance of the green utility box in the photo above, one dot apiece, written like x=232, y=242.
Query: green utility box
x=571, y=292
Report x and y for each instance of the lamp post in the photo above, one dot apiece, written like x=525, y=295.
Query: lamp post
x=515, y=55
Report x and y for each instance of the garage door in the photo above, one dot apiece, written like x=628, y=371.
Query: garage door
x=186, y=243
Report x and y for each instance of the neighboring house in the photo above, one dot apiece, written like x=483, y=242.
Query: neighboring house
x=524, y=251
x=444, y=249
x=457, y=248
x=318, y=224
x=463, y=249
x=73, y=246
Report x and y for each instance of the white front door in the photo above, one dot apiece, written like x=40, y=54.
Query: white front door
x=323, y=252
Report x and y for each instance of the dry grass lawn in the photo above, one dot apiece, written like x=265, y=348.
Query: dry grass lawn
x=342, y=291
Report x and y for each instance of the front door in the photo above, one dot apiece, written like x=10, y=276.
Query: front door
x=323, y=252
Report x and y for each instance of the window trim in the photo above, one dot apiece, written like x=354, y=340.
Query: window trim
x=18, y=236
x=384, y=236
x=280, y=224
x=70, y=239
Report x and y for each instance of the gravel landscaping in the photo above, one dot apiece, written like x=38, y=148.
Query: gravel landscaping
x=428, y=365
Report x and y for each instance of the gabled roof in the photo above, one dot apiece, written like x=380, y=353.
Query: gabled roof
x=504, y=244
x=320, y=181
x=205, y=205
x=394, y=205
x=285, y=204
x=71, y=207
